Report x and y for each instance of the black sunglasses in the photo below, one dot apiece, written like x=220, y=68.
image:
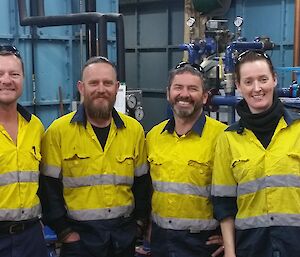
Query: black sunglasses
x=10, y=49
x=259, y=53
x=193, y=65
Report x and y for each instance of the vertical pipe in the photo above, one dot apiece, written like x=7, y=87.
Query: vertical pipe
x=40, y=8
x=297, y=34
x=81, y=36
x=91, y=44
x=33, y=31
x=22, y=10
x=102, y=40
x=120, y=48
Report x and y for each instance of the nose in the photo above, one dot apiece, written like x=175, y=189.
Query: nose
x=257, y=86
x=100, y=88
x=184, y=92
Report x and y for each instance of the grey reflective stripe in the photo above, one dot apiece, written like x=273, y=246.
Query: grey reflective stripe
x=268, y=221
x=194, y=225
x=97, y=180
x=18, y=176
x=224, y=191
x=20, y=213
x=101, y=214
x=51, y=171
x=181, y=188
x=140, y=171
x=269, y=181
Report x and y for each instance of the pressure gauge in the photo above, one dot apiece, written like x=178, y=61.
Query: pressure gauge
x=139, y=113
x=131, y=101
x=190, y=22
x=238, y=21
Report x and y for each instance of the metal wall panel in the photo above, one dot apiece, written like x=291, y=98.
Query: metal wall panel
x=53, y=54
x=154, y=29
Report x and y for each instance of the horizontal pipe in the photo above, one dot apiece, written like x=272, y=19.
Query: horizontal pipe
x=82, y=18
x=68, y=19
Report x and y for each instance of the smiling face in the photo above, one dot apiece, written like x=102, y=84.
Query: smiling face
x=99, y=87
x=256, y=84
x=186, y=95
x=11, y=79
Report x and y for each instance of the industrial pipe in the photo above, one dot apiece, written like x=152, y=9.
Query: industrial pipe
x=90, y=31
x=297, y=34
x=239, y=46
x=83, y=18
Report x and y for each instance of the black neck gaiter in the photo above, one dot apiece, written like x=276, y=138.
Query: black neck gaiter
x=262, y=124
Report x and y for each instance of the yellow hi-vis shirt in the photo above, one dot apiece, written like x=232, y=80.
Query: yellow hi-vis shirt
x=96, y=183
x=266, y=182
x=19, y=169
x=181, y=170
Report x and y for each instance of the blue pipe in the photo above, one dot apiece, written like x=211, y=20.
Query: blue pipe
x=239, y=46
x=193, y=51
x=231, y=100
x=228, y=100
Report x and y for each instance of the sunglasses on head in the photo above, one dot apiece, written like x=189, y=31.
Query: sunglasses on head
x=10, y=49
x=259, y=53
x=193, y=65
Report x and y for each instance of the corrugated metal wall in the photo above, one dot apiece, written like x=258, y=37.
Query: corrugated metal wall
x=55, y=56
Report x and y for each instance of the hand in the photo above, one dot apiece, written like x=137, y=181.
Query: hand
x=141, y=228
x=72, y=237
x=216, y=240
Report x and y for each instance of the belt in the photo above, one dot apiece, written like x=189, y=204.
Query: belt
x=13, y=227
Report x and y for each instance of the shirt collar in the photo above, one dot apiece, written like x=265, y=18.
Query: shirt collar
x=197, y=127
x=80, y=116
x=290, y=116
x=25, y=114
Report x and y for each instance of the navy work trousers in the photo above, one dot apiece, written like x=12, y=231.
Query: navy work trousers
x=28, y=243
x=177, y=243
x=105, y=238
x=277, y=241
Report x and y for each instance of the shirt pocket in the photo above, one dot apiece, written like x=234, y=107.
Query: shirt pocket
x=156, y=164
x=293, y=163
x=240, y=168
x=125, y=165
x=75, y=164
x=199, y=171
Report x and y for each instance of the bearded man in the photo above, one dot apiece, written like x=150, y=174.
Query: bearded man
x=95, y=186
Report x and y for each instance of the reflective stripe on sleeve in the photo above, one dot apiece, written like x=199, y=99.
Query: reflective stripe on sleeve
x=224, y=191
x=51, y=171
x=142, y=170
